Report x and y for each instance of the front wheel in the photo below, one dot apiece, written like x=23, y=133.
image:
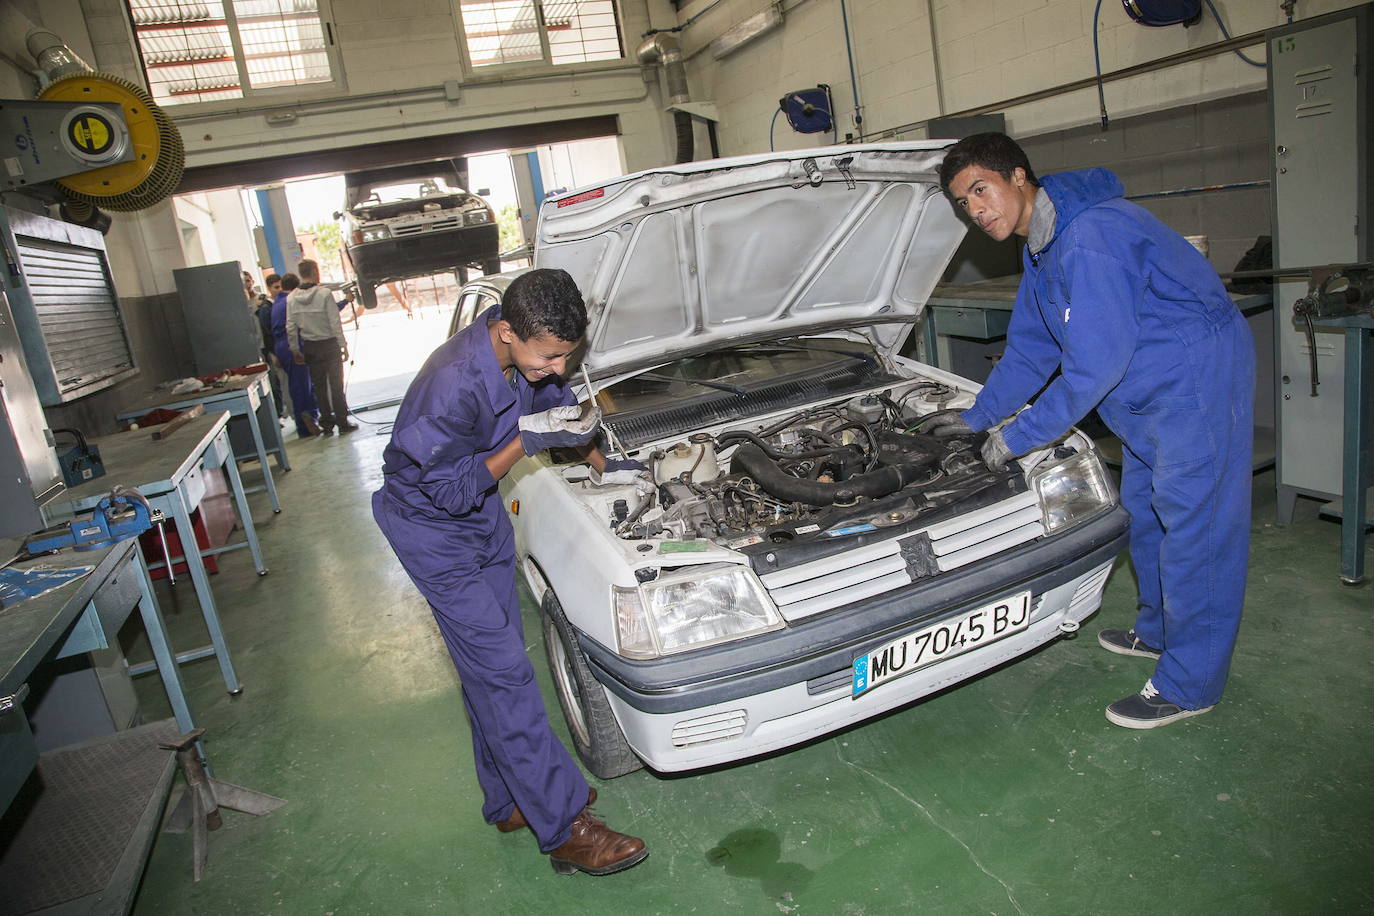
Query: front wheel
x=367, y=294
x=596, y=735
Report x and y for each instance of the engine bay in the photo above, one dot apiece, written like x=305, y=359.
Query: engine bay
x=823, y=473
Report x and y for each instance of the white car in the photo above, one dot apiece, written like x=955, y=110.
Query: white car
x=807, y=558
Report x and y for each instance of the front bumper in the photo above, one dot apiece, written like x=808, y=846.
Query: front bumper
x=425, y=253
x=768, y=692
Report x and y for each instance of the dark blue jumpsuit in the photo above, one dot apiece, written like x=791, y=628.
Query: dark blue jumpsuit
x=1139, y=327
x=440, y=509
x=297, y=375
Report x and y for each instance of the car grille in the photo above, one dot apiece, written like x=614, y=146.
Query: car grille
x=873, y=569
x=706, y=729
x=450, y=222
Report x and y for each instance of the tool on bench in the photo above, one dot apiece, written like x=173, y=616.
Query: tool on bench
x=1335, y=293
x=124, y=513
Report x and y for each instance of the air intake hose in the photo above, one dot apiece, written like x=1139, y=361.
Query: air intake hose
x=885, y=480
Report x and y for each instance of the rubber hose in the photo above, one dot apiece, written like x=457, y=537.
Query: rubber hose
x=724, y=438
x=775, y=482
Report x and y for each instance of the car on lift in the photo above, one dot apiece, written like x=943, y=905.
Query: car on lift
x=805, y=557
x=416, y=221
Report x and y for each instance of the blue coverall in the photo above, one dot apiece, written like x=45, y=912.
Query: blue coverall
x=440, y=509
x=297, y=375
x=1139, y=327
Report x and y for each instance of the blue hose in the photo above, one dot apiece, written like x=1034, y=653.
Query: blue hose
x=1225, y=34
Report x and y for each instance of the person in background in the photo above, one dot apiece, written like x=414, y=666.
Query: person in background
x=316, y=338
x=263, y=313
x=1117, y=312
x=250, y=292
x=297, y=376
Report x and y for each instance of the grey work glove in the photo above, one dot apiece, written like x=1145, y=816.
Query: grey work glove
x=945, y=423
x=995, y=451
x=558, y=427
x=622, y=471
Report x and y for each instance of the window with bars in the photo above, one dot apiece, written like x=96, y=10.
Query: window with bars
x=206, y=50
x=539, y=31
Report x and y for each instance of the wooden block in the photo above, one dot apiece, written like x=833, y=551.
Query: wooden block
x=177, y=422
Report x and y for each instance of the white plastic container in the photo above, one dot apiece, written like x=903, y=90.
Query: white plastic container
x=696, y=458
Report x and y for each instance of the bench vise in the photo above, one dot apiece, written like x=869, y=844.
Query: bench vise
x=124, y=513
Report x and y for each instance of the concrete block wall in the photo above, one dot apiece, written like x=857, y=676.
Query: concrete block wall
x=912, y=67
x=1224, y=141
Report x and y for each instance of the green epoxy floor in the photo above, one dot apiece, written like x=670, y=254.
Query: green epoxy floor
x=1011, y=794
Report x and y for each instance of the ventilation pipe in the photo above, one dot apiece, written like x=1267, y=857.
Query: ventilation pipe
x=663, y=49
x=55, y=59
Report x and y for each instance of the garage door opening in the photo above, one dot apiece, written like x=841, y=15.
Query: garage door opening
x=412, y=310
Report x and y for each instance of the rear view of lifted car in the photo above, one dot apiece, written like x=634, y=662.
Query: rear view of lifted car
x=806, y=555
x=416, y=221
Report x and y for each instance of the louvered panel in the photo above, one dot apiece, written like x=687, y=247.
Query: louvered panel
x=77, y=312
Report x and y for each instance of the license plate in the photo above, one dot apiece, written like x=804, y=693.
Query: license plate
x=942, y=640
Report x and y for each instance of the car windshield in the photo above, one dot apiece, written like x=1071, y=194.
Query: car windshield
x=409, y=190
x=735, y=370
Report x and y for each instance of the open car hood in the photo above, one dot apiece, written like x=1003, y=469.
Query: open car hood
x=686, y=258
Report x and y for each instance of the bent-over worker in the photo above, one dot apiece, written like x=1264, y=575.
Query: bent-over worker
x=1138, y=325
x=489, y=396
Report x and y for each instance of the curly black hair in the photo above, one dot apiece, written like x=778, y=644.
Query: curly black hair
x=545, y=301
x=993, y=151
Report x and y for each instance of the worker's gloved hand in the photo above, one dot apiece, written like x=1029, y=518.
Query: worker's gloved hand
x=621, y=471
x=995, y=451
x=558, y=426
x=946, y=423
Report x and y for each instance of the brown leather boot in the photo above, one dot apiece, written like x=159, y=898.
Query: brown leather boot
x=516, y=821
x=307, y=427
x=596, y=849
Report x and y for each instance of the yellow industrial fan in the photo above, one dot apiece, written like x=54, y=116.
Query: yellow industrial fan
x=99, y=138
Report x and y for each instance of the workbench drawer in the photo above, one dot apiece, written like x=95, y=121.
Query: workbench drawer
x=979, y=324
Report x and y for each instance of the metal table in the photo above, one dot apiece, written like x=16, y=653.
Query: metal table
x=244, y=398
x=1357, y=451
x=169, y=472
x=81, y=616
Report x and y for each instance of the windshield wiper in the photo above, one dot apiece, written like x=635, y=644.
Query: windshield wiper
x=789, y=348
x=722, y=386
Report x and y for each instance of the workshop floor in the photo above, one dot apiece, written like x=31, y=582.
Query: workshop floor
x=1011, y=794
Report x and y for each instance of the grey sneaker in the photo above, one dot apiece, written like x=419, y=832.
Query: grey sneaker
x=1148, y=709
x=1125, y=642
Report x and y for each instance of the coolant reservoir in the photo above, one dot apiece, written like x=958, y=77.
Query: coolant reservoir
x=697, y=457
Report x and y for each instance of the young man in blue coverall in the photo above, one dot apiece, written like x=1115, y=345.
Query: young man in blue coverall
x=1139, y=327
x=489, y=396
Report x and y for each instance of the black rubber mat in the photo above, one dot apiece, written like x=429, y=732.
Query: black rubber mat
x=65, y=833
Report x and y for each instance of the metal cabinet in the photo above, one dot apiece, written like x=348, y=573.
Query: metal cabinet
x=64, y=306
x=1323, y=195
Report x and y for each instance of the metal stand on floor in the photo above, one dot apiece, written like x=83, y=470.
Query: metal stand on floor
x=199, y=807
x=1343, y=297
x=1357, y=461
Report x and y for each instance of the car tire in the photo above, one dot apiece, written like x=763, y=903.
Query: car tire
x=367, y=294
x=596, y=734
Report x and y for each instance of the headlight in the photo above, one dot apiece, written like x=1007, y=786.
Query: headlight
x=1072, y=490
x=478, y=216
x=691, y=609
x=375, y=233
